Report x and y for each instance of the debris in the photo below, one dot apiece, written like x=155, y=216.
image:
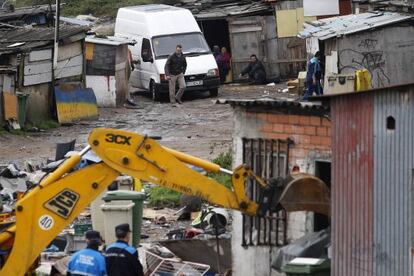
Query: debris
x=160, y=220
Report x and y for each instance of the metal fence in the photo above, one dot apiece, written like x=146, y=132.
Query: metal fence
x=268, y=159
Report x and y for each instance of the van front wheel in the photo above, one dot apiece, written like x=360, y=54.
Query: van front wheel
x=154, y=91
x=214, y=92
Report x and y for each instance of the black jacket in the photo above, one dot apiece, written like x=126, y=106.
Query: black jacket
x=175, y=65
x=122, y=260
x=256, y=72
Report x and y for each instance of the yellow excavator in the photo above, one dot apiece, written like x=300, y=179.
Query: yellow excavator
x=57, y=200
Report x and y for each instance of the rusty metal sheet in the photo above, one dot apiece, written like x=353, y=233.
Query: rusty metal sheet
x=352, y=185
x=305, y=192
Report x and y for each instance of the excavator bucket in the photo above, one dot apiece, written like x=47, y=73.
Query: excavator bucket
x=305, y=192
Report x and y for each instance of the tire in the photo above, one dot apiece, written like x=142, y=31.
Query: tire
x=154, y=91
x=214, y=92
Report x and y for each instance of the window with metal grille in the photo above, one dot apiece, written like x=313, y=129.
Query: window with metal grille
x=268, y=159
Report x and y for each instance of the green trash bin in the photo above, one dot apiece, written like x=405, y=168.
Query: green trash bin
x=322, y=267
x=138, y=199
x=22, y=103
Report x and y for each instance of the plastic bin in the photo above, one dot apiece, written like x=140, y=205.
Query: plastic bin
x=320, y=268
x=138, y=199
x=22, y=103
x=115, y=214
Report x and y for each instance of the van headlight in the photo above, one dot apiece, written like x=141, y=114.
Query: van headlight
x=213, y=73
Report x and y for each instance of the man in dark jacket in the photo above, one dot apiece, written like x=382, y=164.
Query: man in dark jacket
x=255, y=70
x=122, y=259
x=88, y=261
x=174, y=71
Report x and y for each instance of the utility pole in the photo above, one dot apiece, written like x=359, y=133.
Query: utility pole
x=56, y=48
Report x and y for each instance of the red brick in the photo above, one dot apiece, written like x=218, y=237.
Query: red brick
x=315, y=140
x=279, y=128
x=326, y=141
x=315, y=121
x=310, y=130
x=267, y=127
x=326, y=122
x=272, y=135
x=294, y=119
x=304, y=120
x=294, y=129
x=299, y=129
x=262, y=116
x=278, y=118
x=329, y=131
x=322, y=131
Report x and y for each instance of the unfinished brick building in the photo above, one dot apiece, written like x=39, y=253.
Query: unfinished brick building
x=275, y=137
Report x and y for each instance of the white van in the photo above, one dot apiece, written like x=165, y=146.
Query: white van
x=157, y=30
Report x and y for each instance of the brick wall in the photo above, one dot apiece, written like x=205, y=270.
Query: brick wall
x=311, y=134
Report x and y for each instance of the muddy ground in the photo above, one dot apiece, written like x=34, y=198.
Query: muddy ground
x=198, y=127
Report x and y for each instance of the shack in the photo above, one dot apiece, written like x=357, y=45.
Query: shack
x=266, y=28
x=276, y=136
x=372, y=181
x=108, y=69
x=26, y=57
x=380, y=42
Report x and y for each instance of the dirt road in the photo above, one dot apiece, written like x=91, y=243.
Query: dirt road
x=198, y=127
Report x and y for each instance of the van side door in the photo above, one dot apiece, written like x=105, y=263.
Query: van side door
x=135, y=78
x=147, y=63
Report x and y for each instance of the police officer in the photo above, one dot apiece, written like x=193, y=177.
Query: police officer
x=88, y=261
x=122, y=259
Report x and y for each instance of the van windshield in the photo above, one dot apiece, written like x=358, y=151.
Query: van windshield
x=193, y=43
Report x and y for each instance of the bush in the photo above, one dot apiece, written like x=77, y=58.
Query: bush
x=105, y=8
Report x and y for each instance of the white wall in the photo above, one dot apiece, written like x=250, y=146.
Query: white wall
x=104, y=88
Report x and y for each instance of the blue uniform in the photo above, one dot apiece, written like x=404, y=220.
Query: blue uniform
x=122, y=260
x=87, y=262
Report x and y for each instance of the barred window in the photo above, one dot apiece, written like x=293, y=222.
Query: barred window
x=268, y=159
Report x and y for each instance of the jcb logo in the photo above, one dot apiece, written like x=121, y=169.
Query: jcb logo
x=118, y=139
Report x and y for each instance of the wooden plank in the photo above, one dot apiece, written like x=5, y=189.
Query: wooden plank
x=37, y=68
x=69, y=72
x=40, y=55
x=69, y=51
x=247, y=29
x=71, y=62
x=36, y=79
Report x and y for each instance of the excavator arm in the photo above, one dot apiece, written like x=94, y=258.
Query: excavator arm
x=47, y=209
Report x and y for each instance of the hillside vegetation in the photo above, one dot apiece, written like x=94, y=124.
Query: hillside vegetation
x=99, y=8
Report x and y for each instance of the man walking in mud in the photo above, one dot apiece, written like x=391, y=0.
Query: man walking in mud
x=174, y=71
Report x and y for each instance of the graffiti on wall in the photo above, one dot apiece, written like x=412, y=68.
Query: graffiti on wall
x=367, y=56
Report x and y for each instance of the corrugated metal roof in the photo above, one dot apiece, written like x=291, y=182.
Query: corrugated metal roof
x=110, y=40
x=33, y=37
x=218, y=9
x=271, y=102
x=342, y=25
x=387, y=89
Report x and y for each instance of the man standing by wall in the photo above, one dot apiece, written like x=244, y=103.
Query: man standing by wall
x=313, y=77
x=122, y=259
x=175, y=70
